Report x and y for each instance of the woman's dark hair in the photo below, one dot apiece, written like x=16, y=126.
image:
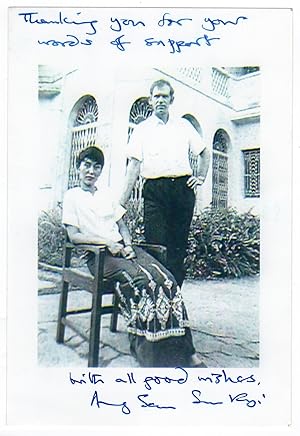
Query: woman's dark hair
x=93, y=153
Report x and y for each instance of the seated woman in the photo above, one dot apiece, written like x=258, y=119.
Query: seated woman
x=150, y=300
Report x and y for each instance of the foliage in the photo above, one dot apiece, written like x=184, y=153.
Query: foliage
x=134, y=221
x=50, y=237
x=223, y=243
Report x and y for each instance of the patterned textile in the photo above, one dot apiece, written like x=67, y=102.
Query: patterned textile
x=156, y=311
x=152, y=305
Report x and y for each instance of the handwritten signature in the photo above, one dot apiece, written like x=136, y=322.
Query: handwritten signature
x=96, y=400
x=197, y=397
x=145, y=403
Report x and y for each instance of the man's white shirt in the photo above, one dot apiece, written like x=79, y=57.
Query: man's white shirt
x=163, y=149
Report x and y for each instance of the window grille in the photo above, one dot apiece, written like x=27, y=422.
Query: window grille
x=83, y=134
x=220, y=171
x=251, y=173
x=192, y=73
x=219, y=180
x=140, y=111
x=220, y=82
x=88, y=112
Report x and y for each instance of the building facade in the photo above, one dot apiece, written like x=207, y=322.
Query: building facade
x=80, y=107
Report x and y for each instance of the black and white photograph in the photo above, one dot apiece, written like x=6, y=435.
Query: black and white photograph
x=173, y=155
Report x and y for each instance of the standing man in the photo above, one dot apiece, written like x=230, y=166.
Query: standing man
x=159, y=150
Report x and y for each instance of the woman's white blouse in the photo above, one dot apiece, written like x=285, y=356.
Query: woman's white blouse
x=93, y=214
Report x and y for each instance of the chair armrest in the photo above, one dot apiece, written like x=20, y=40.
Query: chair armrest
x=70, y=251
x=88, y=247
x=159, y=252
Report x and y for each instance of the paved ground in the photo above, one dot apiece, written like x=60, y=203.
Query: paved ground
x=224, y=317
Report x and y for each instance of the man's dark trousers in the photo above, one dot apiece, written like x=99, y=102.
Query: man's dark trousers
x=168, y=211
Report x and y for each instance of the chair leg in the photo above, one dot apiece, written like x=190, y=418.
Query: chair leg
x=60, y=333
x=115, y=313
x=94, y=342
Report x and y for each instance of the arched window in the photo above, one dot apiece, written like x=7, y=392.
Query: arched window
x=220, y=170
x=84, y=127
x=140, y=111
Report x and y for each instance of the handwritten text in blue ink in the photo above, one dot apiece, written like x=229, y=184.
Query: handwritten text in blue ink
x=233, y=393
x=129, y=32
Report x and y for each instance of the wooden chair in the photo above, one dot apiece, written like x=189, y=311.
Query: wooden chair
x=98, y=286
